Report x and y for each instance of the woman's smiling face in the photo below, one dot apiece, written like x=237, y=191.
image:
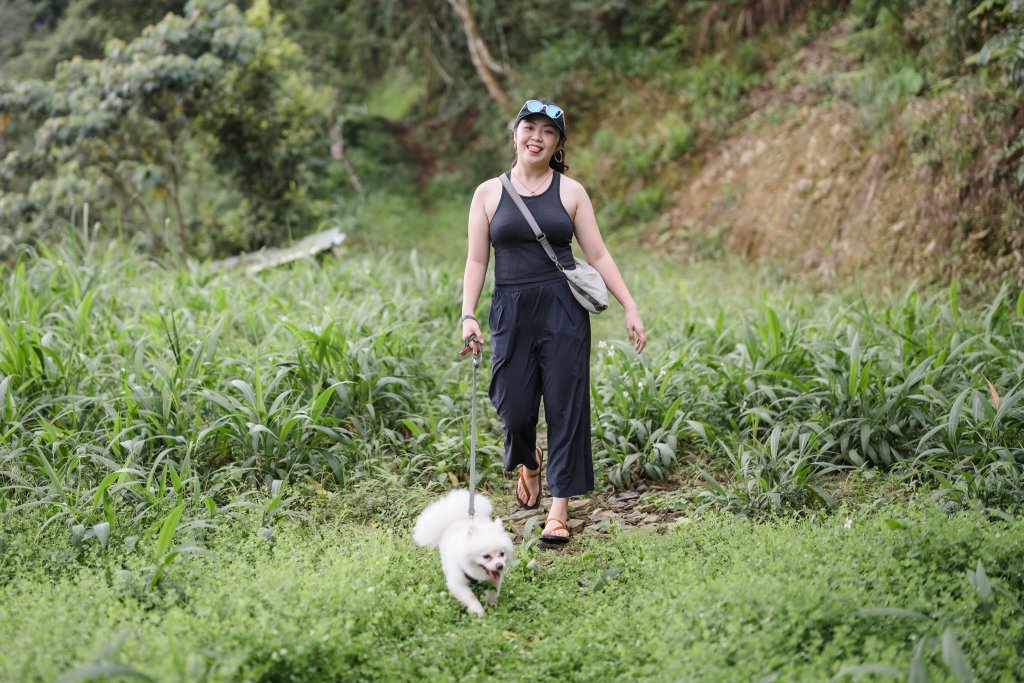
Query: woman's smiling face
x=537, y=139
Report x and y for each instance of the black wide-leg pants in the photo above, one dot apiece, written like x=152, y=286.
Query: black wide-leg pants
x=540, y=347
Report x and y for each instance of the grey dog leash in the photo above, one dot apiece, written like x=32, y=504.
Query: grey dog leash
x=472, y=430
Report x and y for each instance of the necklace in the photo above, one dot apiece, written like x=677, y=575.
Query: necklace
x=532, y=192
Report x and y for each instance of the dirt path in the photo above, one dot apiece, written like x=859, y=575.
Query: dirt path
x=646, y=506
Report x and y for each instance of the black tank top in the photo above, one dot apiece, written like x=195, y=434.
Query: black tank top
x=518, y=256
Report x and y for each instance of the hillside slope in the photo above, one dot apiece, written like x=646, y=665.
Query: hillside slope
x=826, y=186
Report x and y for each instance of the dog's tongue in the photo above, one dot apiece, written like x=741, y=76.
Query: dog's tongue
x=493, y=575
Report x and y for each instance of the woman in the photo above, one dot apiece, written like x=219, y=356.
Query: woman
x=541, y=334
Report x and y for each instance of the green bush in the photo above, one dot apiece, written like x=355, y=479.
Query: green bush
x=316, y=371
x=214, y=85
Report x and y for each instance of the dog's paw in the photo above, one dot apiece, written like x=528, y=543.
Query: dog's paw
x=491, y=598
x=478, y=610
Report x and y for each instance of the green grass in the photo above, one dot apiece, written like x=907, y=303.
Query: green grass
x=719, y=598
x=385, y=223
x=116, y=376
x=204, y=474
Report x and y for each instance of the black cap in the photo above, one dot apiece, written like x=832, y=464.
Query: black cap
x=545, y=108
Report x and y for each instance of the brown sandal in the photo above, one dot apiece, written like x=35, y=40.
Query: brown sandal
x=524, y=501
x=559, y=526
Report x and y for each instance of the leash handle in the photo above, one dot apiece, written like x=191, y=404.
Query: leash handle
x=472, y=344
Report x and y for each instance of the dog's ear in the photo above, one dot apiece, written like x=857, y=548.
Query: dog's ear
x=498, y=523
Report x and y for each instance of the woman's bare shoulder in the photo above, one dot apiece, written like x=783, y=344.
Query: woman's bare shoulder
x=574, y=195
x=572, y=185
x=487, y=196
x=488, y=189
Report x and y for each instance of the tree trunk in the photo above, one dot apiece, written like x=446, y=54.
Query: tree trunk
x=484, y=63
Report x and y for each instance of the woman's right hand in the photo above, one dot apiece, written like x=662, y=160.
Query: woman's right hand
x=471, y=328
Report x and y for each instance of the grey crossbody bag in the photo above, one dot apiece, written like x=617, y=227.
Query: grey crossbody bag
x=585, y=282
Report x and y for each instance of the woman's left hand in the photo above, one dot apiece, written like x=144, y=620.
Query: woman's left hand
x=635, y=330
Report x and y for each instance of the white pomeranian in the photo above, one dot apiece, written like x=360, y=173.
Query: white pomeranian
x=473, y=550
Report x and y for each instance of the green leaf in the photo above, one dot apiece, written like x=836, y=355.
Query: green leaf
x=607, y=574
x=714, y=485
x=247, y=391
x=167, y=530
x=102, y=533
x=919, y=663
x=175, y=480
x=108, y=508
x=97, y=498
x=824, y=496
x=698, y=428
x=774, y=332
x=954, y=658
x=3, y=396
x=953, y=421
x=979, y=579
x=321, y=402
x=853, y=381
x=1007, y=405
x=773, y=441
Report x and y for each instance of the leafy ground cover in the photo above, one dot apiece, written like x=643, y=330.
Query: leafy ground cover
x=903, y=592
x=116, y=375
x=210, y=475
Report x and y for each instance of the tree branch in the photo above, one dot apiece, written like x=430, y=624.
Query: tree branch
x=483, y=61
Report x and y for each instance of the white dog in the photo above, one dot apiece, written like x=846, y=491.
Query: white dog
x=473, y=550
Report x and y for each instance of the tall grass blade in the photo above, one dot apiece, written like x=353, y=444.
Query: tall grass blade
x=954, y=658
x=167, y=530
x=953, y=421
x=919, y=663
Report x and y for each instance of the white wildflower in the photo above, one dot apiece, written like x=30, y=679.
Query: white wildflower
x=848, y=523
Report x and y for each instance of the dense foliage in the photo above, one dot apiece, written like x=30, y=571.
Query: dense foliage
x=123, y=386
x=217, y=130
x=128, y=131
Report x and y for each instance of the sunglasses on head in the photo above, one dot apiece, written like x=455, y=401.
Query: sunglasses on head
x=552, y=111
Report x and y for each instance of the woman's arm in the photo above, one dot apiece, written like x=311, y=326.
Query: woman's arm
x=477, y=255
x=581, y=210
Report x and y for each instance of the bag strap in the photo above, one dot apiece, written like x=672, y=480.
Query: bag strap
x=541, y=237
